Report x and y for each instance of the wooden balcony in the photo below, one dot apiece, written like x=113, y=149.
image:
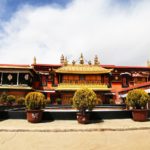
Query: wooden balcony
x=74, y=86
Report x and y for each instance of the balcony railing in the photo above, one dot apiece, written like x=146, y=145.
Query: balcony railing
x=82, y=85
x=82, y=82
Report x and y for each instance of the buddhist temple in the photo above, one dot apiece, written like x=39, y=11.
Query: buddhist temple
x=111, y=83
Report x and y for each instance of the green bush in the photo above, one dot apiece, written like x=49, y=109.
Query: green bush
x=11, y=99
x=137, y=99
x=20, y=100
x=35, y=101
x=3, y=97
x=84, y=99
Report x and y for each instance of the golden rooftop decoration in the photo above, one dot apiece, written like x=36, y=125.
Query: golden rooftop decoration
x=81, y=59
x=34, y=60
x=62, y=59
x=96, y=62
x=65, y=61
x=82, y=68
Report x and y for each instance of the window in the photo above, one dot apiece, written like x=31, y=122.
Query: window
x=82, y=77
x=44, y=80
x=9, y=78
x=24, y=78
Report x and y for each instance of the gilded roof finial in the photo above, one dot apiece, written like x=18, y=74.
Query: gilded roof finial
x=73, y=62
x=96, y=62
x=148, y=63
x=34, y=60
x=66, y=62
x=89, y=62
x=62, y=59
x=81, y=59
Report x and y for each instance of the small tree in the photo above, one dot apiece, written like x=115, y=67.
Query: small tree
x=11, y=99
x=3, y=97
x=137, y=98
x=84, y=99
x=20, y=100
x=35, y=101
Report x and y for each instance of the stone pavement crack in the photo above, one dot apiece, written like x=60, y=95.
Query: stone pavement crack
x=75, y=130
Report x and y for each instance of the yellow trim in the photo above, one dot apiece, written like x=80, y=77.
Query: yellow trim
x=83, y=69
x=73, y=87
x=15, y=87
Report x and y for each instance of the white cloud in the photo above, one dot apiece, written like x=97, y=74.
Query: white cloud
x=119, y=35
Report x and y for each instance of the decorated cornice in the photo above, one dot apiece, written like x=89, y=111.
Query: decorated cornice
x=74, y=87
x=82, y=69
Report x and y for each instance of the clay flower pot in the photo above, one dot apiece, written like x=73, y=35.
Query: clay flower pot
x=83, y=118
x=140, y=114
x=34, y=116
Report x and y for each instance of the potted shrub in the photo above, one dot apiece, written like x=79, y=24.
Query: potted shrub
x=20, y=101
x=34, y=102
x=11, y=100
x=84, y=99
x=138, y=99
x=3, y=98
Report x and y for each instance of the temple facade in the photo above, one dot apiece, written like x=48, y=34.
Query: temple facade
x=60, y=81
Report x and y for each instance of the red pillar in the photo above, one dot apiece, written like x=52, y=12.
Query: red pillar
x=48, y=96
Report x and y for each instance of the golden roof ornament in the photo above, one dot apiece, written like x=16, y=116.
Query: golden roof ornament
x=34, y=60
x=89, y=62
x=81, y=59
x=66, y=62
x=73, y=62
x=82, y=68
x=62, y=59
x=96, y=62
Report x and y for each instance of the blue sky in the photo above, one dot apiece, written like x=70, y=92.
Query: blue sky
x=116, y=30
x=11, y=6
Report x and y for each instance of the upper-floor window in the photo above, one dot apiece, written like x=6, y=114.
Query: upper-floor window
x=25, y=78
x=44, y=80
x=9, y=78
x=82, y=77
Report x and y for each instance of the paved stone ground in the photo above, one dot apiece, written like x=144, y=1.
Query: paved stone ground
x=118, y=134
x=72, y=125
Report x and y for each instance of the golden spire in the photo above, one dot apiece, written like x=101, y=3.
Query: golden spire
x=66, y=62
x=34, y=60
x=81, y=59
x=73, y=62
x=96, y=61
x=62, y=59
x=89, y=62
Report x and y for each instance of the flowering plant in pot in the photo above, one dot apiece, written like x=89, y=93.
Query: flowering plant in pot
x=138, y=99
x=84, y=99
x=34, y=102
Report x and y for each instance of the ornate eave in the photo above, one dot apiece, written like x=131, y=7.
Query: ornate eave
x=5, y=66
x=82, y=69
x=74, y=87
x=16, y=87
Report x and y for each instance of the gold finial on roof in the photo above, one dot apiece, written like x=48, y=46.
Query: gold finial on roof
x=96, y=62
x=73, y=62
x=81, y=59
x=62, y=59
x=34, y=60
x=89, y=62
x=66, y=62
